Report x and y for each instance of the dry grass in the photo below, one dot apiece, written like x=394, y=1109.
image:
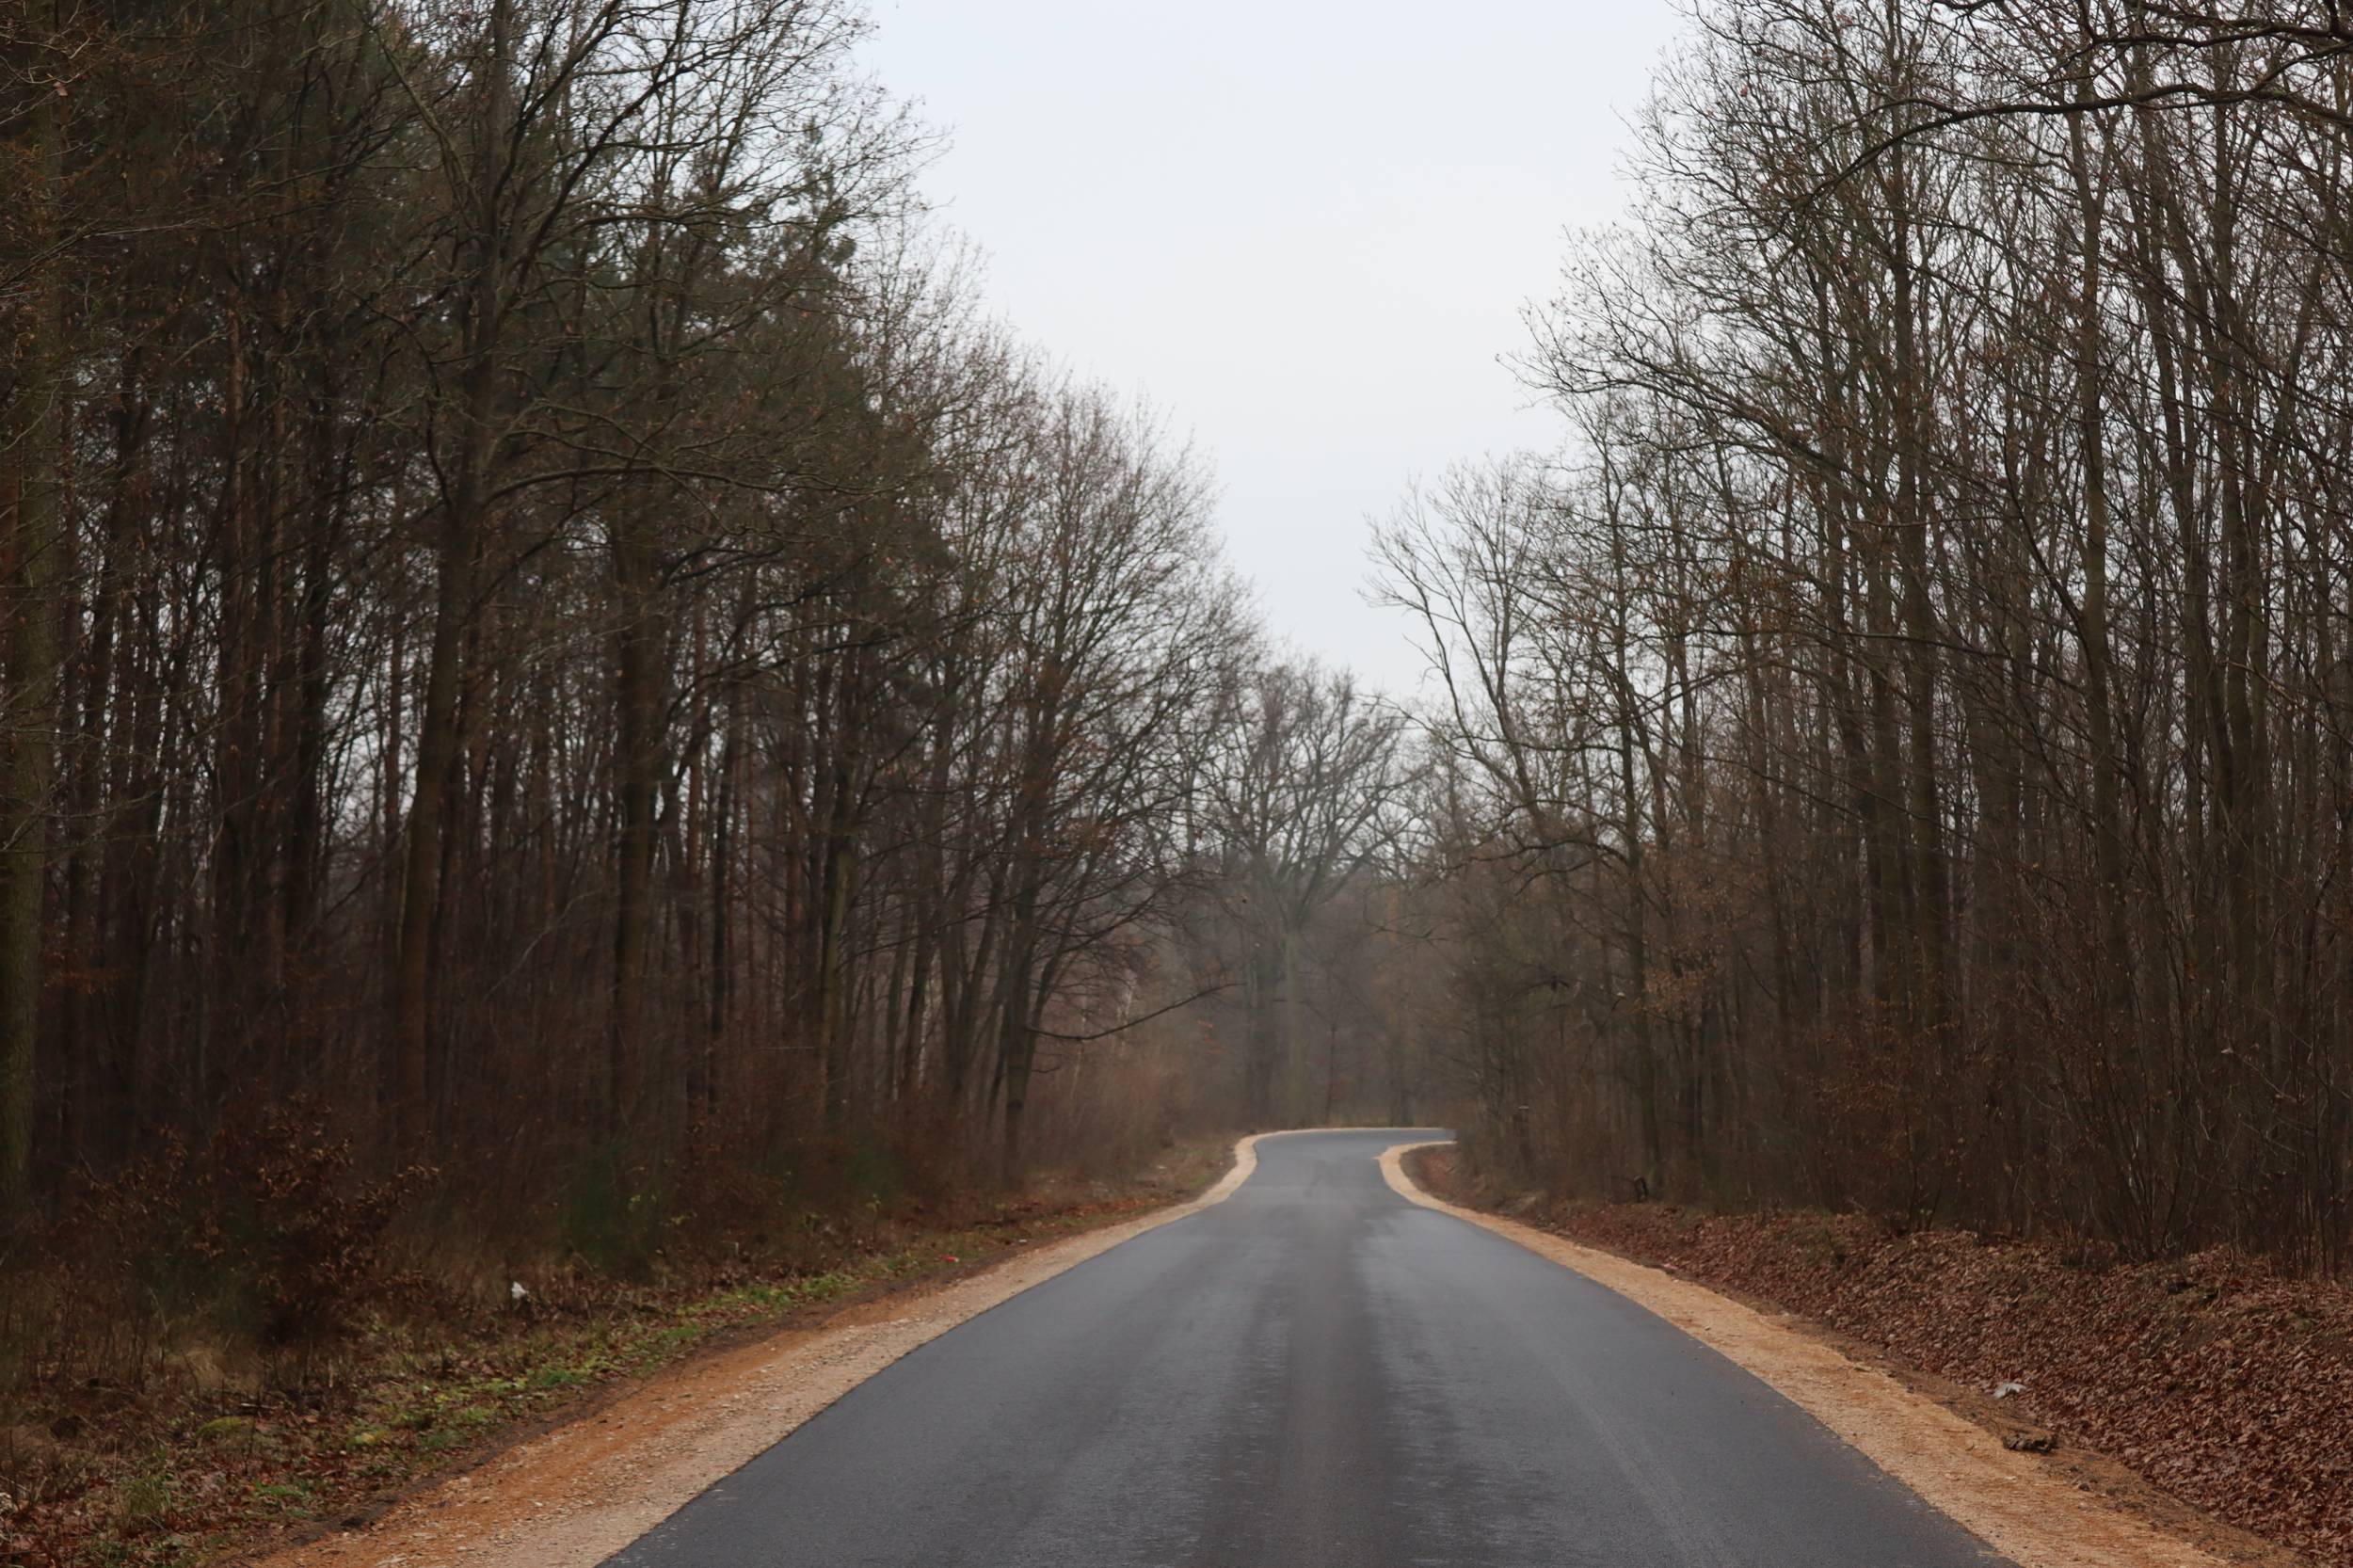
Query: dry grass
x=174, y=1427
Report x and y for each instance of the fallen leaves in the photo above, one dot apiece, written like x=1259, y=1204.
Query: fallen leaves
x=2217, y=1378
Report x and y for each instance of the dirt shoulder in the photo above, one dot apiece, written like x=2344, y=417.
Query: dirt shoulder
x=578, y=1492
x=181, y=1456
x=1862, y=1356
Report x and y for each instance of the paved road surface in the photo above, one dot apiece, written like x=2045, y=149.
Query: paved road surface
x=1313, y=1374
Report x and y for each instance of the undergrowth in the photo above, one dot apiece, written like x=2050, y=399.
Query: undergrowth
x=253, y=1340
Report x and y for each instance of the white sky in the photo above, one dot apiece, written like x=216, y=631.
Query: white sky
x=1303, y=230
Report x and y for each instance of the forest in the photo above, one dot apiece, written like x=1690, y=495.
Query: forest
x=548, y=634
x=555, y=650
x=576, y=706
x=1904, y=736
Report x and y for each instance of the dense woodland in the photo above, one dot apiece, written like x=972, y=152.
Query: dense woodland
x=1905, y=737
x=548, y=637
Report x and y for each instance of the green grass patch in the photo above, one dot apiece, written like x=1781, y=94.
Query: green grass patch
x=410, y=1398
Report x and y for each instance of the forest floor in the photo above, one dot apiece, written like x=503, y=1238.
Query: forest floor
x=2209, y=1395
x=190, y=1466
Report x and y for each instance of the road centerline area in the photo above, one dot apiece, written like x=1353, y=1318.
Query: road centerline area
x=1314, y=1371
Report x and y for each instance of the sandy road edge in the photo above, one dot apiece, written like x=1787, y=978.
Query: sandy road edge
x=576, y=1494
x=2011, y=1502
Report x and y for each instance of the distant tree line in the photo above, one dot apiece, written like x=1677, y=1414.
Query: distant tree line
x=1901, y=753
x=541, y=623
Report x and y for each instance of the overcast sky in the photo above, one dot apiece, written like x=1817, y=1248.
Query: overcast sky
x=1305, y=230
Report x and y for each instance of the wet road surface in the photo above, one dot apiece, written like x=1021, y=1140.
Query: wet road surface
x=1314, y=1373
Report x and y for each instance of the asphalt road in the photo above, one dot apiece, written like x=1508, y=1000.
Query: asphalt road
x=1312, y=1374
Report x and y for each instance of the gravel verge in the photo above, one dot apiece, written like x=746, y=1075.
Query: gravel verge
x=575, y=1495
x=2036, y=1512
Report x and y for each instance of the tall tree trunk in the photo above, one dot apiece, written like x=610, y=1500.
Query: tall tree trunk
x=457, y=548
x=636, y=760
x=36, y=447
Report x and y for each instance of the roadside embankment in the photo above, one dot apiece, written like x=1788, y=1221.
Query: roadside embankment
x=581, y=1491
x=175, y=1458
x=2209, y=1381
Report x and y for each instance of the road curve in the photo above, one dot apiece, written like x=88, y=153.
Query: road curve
x=1313, y=1374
